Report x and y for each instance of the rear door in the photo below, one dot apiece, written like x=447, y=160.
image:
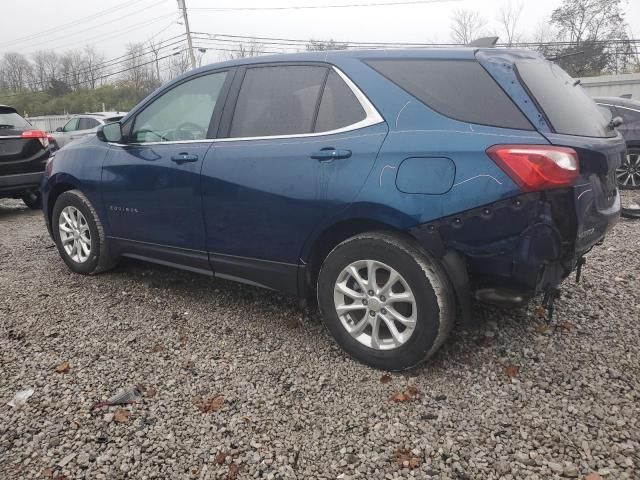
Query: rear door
x=300, y=142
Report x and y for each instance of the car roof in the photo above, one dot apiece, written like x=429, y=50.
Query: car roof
x=100, y=114
x=452, y=53
x=619, y=102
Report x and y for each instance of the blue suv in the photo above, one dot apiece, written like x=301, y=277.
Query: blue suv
x=392, y=187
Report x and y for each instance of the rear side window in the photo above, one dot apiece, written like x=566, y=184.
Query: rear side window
x=629, y=117
x=86, y=123
x=279, y=100
x=10, y=119
x=339, y=107
x=567, y=107
x=459, y=89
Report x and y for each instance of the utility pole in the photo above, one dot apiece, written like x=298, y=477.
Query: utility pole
x=183, y=6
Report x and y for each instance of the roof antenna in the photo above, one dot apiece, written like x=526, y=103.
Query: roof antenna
x=484, y=42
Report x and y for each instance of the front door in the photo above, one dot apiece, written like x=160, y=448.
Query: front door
x=151, y=183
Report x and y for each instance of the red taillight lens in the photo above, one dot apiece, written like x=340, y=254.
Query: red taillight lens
x=39, y=134
x=537, y=167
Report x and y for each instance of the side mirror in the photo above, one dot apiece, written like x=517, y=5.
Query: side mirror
x=59, y=129
x=110, y=132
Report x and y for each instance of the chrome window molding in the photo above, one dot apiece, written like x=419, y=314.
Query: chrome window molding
x=618, y=106
x=372, y=117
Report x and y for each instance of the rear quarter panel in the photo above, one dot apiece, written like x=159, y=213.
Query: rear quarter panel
x=415, y=130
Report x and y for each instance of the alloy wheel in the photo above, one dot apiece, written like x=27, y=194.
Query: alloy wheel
x=375, y=304
x=628, y=173
x=75, y=236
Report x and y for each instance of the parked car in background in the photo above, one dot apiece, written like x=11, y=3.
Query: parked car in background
x=23, y=154
x=628, y=174
x=83, y=125
x=628, y=110
x=389, y=186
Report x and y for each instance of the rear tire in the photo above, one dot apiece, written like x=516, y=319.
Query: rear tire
x=33, y=200
x=412, y=302
x=79, y=235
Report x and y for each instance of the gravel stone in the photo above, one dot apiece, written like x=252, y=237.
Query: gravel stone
x=293, y=405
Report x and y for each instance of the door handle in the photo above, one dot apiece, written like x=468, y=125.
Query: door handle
x=330, y=153
x=184, y=158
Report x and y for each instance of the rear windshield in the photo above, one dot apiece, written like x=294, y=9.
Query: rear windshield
x=10, y=119
x=564, y=102
x=459, y=89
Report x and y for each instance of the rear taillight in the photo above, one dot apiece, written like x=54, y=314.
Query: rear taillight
x=42, y=136
x=537, y=167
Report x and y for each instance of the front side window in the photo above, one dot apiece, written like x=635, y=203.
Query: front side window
x=71, y=125
x=278, y=100
x=182, y=113
x=339, y=107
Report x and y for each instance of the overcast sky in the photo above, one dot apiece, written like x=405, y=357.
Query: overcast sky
x=110, y=24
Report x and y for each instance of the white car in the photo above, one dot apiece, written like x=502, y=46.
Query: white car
x=83, y=125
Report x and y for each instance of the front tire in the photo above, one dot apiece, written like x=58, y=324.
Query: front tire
x=386, y=302
x=79, y=235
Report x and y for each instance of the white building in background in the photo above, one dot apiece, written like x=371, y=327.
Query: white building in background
x=613, y=85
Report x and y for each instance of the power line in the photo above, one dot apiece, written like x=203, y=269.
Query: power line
x=113, y=33
x=75, y=22
x=113, y=62
x=96, y=79
x=49, y=40
x=314, y=7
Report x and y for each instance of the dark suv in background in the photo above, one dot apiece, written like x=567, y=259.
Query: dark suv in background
x=23, y=154
x=628, y=174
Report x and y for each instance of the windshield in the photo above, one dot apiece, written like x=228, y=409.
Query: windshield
x=10, y=119
x=565, y=103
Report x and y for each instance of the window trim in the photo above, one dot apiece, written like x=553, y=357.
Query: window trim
x=372, y=116
x=618, y=106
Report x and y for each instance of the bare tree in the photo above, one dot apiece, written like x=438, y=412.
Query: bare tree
x=17, y=71
x=40, y=74
x=155, y=46
x=250, y=49
x=322, y=45
x=138, y=73
x=587, y=25
x=179, y=63
x=508, y=17
x=466, y=26
x=94, y=66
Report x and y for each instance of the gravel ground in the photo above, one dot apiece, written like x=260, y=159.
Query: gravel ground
x=241, y=383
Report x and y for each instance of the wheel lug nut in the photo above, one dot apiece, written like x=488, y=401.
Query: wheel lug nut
x=370, y=292
x=364, y=302
x=382, y=299
x=383, y=311
x=372, y=313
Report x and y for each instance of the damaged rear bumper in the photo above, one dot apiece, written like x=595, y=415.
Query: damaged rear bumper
x=522, y=245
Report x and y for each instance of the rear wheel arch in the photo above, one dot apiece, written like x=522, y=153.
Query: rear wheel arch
x=330, y=238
